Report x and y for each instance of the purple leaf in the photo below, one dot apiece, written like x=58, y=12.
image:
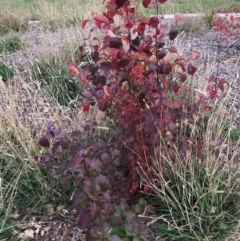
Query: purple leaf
x=96, y=164
x=183, y=78
x=95, y=209
x=90, y=189
x=77, y=196
x=114, y=238
x=74, y=162
x=102, y=104
x=53, y=183
x=100, y=94
x=75, y=134
x=55, y=148
x=87, y=94
x=105, y=157
x=64, y=143
x=85, y=220
x=50, y=125
x=167, y=68
x=173, y=34
x=191, y=69
x=102, y=179
x=57, y=131
x=107, y=195
x=95, y=56
x=115, y=153
x=161, y=54
x=44, y=142
x=175, y=87
x=98, y=145
x=115, y=42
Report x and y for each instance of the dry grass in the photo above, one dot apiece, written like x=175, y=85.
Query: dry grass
x=199, y=200
x=53, y=14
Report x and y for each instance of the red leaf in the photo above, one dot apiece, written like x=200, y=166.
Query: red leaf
x=134, y=186
x=153, y=22
x=191, y=69
x=73, y=70
x=84, y=23
x=162, y=1
x=128, y=24
x=120, y=3
x=212, y=78
x=85, y=107
x=100, y=18
x=145, y=3
x=102, y=104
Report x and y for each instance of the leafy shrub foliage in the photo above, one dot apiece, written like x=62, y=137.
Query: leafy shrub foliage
x=227, y=27
x=100, y=178
x=138, y=79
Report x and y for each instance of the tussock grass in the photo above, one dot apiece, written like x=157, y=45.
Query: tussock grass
x=13, y=23
x=11, y=44
x=5, y=71
x=53, y=74
x=195, y=200
x=22, y=185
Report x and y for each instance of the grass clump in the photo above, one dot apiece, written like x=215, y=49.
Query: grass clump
x=22, y=185
x=11, y=44
x=198, y=201
x=53, y=74
x=6, y=72
x=11, y=23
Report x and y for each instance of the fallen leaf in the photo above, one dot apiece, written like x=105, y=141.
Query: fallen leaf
x=29, y=233
x=22, y=225
x=50, y=209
